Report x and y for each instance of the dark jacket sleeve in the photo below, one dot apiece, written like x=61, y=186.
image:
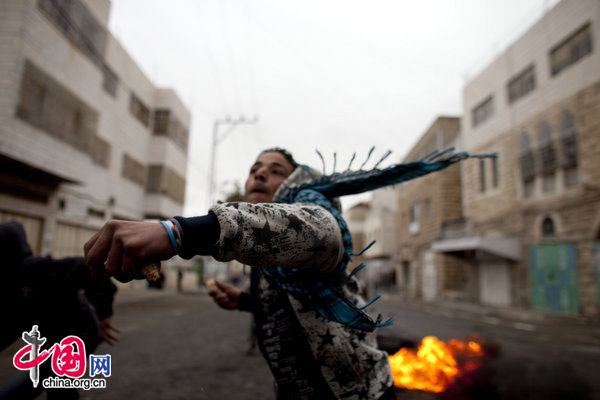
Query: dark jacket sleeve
x=200, y=235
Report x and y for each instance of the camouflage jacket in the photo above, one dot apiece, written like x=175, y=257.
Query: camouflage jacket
x=307, y=237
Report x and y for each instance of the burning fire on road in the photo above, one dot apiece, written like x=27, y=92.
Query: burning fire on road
x=436, y=364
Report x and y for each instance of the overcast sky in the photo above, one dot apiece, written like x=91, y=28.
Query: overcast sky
x=333, y=75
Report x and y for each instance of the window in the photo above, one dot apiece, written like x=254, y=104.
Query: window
x=571, y=50
x=50, y=107
x=495, y=173
x=110, y=81
x=547, y=156
x=483, y=111
x=527, y=165
x=414, y=218
x=166, y=124
x=78, y=24
x=139, y=109
x=522, y=84
x=526, y=158
x=481, y=175
x=161, y=122
x=100, y=151
x=568, y=142
x=546, y=149
x=548, y=230
x=163, y=180
x=133, y=170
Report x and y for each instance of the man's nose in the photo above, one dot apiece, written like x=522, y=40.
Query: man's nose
x=260, y=174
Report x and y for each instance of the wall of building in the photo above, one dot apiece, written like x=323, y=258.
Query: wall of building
x=74, y=106
x=424, y=205
x=532, y=48
x=518, y=205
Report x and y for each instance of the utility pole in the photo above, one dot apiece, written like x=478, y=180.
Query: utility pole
x=218, y=138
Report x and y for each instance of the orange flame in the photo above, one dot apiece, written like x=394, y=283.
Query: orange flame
x=435, y=364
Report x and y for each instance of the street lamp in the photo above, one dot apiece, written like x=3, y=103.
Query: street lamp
x=231, y=123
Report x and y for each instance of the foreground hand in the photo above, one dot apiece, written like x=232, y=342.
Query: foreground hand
x=124, y=247
x=107, y=330
x=227, y=297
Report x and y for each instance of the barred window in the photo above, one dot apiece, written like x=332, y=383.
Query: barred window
x=571, y=50
x=527, y=165
x=522, y=84
x=568, y=140
x=161, y=122
x=483, y=111
x=166, y=124
x=78, y=24
x=546, y=149
x=52, y=108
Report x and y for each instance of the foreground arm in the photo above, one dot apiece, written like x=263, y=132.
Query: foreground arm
x=300, y=235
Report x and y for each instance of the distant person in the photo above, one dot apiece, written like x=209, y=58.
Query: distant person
x=179, y=280
x=57, y=295
x=308, y=322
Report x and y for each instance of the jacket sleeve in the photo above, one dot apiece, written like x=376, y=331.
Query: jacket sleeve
x=299, y=235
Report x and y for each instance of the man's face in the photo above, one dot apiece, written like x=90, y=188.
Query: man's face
x=266, y=174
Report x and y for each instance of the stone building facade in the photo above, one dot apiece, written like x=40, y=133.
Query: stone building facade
x=424, y=206
x=84, y=135
x=531, y=232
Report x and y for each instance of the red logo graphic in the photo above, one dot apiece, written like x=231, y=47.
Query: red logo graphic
x=68, y=356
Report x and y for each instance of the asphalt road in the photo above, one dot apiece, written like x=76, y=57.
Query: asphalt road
x=182, y=346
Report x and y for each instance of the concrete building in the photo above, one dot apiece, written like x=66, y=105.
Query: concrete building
x=355, y=218
x=531, y=235
x=84, y=135
x=425, y=205
x=380, y=226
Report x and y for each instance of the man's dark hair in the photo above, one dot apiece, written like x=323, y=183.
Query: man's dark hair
x=288, y=156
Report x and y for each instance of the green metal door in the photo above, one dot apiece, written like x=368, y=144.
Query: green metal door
x=554, y=278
